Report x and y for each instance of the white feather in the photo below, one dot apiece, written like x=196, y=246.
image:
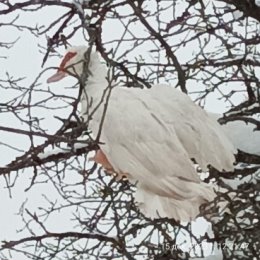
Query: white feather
x=152, y=134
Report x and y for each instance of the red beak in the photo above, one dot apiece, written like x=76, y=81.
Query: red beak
x=60, y=74
x=57, y=76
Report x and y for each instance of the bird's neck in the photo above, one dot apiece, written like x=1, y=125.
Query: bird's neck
x=96, y=88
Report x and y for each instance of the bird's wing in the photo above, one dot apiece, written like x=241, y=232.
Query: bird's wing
x=200, y=134
x=145, y=136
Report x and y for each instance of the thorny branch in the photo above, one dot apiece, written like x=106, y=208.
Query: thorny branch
x=201, y=47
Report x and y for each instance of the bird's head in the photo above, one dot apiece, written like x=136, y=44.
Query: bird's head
x=72, y=63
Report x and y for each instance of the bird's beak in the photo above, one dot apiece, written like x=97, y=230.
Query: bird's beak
x=60, y=74
x=57, y=76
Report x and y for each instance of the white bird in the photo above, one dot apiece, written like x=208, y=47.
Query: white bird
x=151, y=135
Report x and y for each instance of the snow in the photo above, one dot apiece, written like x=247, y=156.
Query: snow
x=234, y=183
x=251, y=107
x=62, y=148
x=257, y=2
x=242, y=134
x=8, y=221
x=78, y=4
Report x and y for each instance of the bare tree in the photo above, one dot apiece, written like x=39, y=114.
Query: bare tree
x=222, y=41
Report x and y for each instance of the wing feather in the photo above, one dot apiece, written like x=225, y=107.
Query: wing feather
x=152, y=135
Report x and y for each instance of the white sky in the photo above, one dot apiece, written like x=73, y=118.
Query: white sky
x=24, y=60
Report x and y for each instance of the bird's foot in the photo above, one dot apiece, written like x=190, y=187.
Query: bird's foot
x=120, y=176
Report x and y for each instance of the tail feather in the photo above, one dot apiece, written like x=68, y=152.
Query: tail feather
x=155, y=206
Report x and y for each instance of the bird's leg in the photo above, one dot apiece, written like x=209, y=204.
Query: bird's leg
x=101, y=158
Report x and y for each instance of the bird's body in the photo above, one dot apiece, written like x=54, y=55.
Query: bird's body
x=152, y=135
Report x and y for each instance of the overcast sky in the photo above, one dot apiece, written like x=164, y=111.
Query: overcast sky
x=24, y=60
